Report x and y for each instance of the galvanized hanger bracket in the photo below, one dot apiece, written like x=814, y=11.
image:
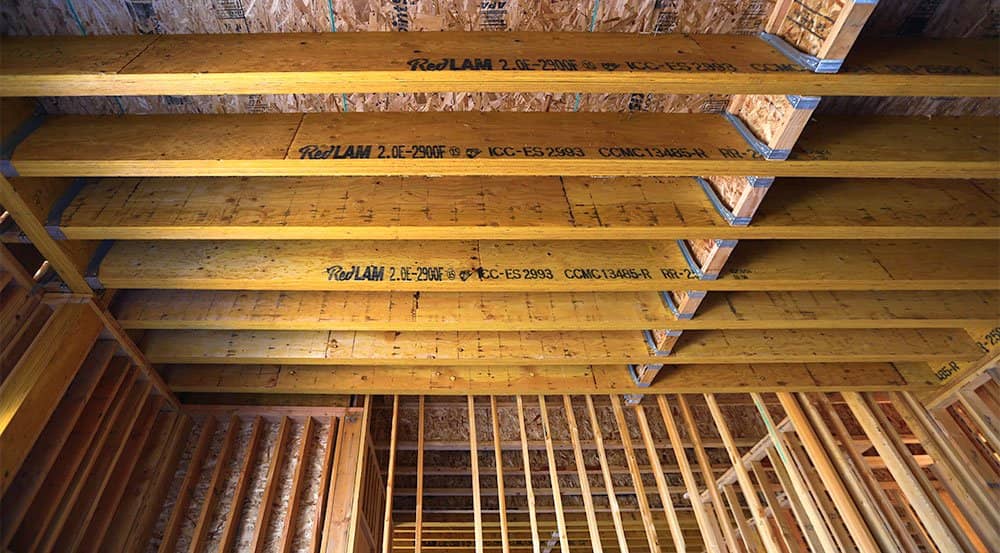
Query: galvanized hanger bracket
x=651, y=342
x=758, y=145
x=669, y=302
x=633, y=371
x=808, y=61
x=692, y=263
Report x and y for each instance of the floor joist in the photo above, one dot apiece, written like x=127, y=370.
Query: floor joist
x=495, y=143
x=291, y=347
x=444, y=311
x=555, y=266
x=552, y=208
x=479, y=62
x=570, y=379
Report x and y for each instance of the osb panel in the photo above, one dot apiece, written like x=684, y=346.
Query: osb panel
x=728, y=188
x=766, y=115
x=683, y=16
x=808, y=23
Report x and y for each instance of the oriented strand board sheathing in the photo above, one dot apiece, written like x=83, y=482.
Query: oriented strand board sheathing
x=729, y=188
x=897, y=105
x=765, y=115
x=808, y=23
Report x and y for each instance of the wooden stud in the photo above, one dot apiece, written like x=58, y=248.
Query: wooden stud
x=787, y=528
x=172, y=530
x=554, y=477
x=832, y=482
x=633, y=466
x=140, y=507
x=498, y=461
x=529, y=487
x=104, y=500
x=794, y=500
x=918, y=498
x=855, y=482
x=707, y=474
x=78, y=402
x=982, y=415
x=81, y=501
x=474, y=459
x=743, y=477
x=319, y=514
x=43, y=531
x=207, y=505
x=812, y=511
x=30, y=394
x=298, y=483
x=418, y=536
x=748, y=534
x=609, y=483
x=266, y=508
x=581, y=468
x=894, y=526
x=390, y=478
x=706, y=524
x=662, y=486
x=969, y=489
x=228, y=536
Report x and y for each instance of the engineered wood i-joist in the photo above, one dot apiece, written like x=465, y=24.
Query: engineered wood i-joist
x=567, y=379
x=479, y=62
x=554, y=348
x=553, y=208
x=494, y=143
x=537, y=311
x=547, y=266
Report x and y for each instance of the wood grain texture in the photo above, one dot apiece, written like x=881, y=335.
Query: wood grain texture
x=537, y=266
x=565, y=379
x=454, y=311
x=498, y=143
x=505, y=62
x=553, y=208
x=553, y=348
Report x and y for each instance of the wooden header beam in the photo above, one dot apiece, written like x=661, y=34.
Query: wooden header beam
x=519, y=208
x=560, y=266
x=480, y=62
x=500, y=144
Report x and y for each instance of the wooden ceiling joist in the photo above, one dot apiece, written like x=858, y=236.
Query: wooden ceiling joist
x=550, y=208
x=555, y=348
x=479, y=62
x=538, y=311
x=575, y=379
x=497, y=143
x=555, y=266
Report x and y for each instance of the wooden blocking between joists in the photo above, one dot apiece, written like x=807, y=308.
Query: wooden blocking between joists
x=817, y=33
x=770, y=123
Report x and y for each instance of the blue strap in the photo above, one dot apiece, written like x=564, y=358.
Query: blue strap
x=54, y=219
x=12, y=140
x=94, y=266
x=806, y=61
